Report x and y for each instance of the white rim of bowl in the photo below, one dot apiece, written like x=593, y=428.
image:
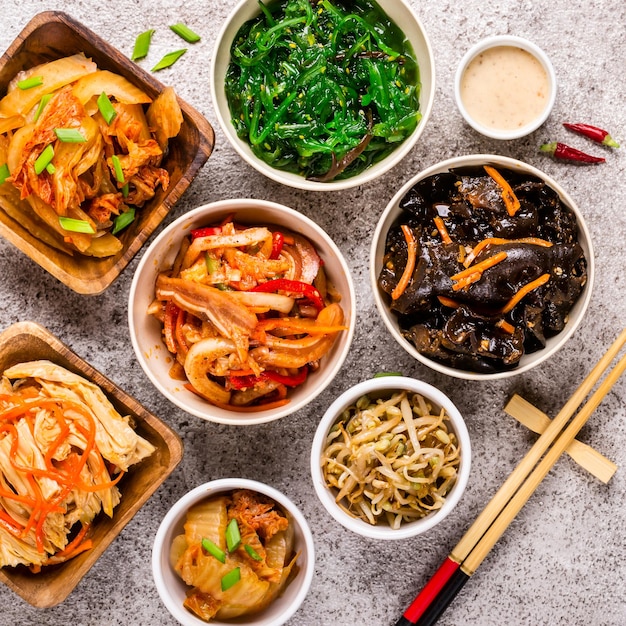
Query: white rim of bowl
x=238, y=419
x=160, y=556
x=519, y=42
x=457, y=162
x=350, y=396
x=299, y=182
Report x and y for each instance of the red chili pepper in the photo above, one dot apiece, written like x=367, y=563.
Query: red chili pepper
x=249, y=380
x=594, y=133
x=560, y=151
x=293, y=286
x=278, y=240
x=206, y=232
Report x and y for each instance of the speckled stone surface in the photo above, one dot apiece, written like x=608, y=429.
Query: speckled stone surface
x=562, y=562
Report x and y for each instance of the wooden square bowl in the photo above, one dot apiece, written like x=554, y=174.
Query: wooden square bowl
x=27, y=341
x=52, y=35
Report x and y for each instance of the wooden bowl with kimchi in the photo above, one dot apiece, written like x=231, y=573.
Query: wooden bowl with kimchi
x=94, y=152
x=83, y=467
x=248, y=544
x=242, y=311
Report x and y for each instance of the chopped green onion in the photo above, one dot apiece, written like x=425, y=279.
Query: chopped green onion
x=123, y=220
x=125, y=190
x=76, y=226
x=29, y=83
x=169, y=59
x=185, y=32
x=43, y=159
x=4, y=173
x=106, y=108
x=214, y=550
x=253, y=553
x=69, y=135
x=230, y=579
x=117, y=168
x=42, y=105
x=233, y=537
x=383, y=374
x=50, y=169
x=142, y=45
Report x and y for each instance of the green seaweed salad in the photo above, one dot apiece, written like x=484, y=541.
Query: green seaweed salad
x=322, y=89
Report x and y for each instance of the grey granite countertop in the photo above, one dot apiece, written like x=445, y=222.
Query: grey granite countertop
x=562, y=561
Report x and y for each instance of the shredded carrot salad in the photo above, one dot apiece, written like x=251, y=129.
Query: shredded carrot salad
x=63, y=449
x=248, y=313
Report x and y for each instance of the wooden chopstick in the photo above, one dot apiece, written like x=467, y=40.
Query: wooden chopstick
x=467, y=555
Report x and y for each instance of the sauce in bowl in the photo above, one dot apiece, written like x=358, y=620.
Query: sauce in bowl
x=505, y=87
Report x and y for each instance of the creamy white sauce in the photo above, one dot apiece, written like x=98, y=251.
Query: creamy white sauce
x=504, y=88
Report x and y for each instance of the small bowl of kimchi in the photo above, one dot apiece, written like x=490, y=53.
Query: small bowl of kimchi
x=242, y=311
x=248, y=543
x=391, y=457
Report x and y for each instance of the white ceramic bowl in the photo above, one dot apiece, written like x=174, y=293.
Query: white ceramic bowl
x=384, y=387
x=550, y=96
x=403, y=15
x=391, y=213
x=172, y=589
x=145, y=330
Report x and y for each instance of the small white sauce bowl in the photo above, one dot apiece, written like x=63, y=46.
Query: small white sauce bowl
x=515, y=42
x=385, y=386
x=173, y=590
x=145, y=330
x=403, y=15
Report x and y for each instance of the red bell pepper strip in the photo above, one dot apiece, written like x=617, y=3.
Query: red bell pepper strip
x=205, y=232
x=566, y=153
x=278, y=240
x=599, y=135
x=295, y=287
x=249, y=380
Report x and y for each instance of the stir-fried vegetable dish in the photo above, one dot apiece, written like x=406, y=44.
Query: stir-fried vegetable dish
x=482, y=266
x=81, y=149
x=323, y=89
x=392, y=459
x=63, y=450
x=236, y=554
x=248, y=312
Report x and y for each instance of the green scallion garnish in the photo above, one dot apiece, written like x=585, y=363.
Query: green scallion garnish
x=106, y=108
x=4, y=173
x=233, y=537
x=50, y=169
x=43, y=159
x=29, y=83
x=76, y=226
x=142, y=45
x=125, y=190
x=230, y=579
x=214, y=550
x=69, y=135
x=185, y=33
x=123, y=220
x=383, y=374
x=42, y=105
x=253, y=553
x=117, y=168
x=169, y=59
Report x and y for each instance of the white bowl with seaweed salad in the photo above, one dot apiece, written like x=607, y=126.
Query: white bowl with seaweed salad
x=323, y=97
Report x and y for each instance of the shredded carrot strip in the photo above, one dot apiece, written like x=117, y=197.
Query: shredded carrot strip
x=466, y=281
x=449, y=302
x=443, y=231
x=479, y=247
x=511, y=202
x=505, y=326
x=526, y=289
x=403, y=283
x=480, y=267
x=297, y=325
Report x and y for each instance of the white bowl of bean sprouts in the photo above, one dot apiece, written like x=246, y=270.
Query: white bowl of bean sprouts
x=391, y=457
